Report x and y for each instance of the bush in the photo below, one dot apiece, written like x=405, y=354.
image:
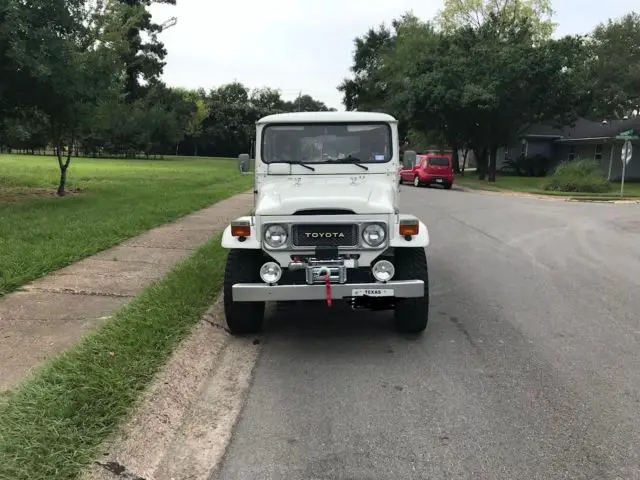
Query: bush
x=582, y=176
x=533, y=166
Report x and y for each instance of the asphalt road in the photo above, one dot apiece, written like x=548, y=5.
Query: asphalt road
x=529, y=368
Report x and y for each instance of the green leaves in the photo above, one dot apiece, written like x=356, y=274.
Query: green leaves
x=613, y=68
x=475, y=13
x=487, y=73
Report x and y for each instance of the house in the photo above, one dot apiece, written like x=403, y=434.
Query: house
x=586, y=139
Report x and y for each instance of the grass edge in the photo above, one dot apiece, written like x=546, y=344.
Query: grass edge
x=53, y=423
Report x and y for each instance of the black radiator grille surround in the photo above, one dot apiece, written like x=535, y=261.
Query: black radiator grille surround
x=314, y=235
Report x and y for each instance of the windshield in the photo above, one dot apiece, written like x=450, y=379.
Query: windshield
x=438, y=161
x=327, y=143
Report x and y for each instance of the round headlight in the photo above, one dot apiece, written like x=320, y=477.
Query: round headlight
x=383, y=271
x=270, y=272
x=374, y=235
x=275, y=236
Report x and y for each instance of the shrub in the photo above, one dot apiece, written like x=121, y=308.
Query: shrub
x=533, y=166
x=582, y=176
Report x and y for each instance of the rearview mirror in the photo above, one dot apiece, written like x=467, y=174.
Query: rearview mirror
x=244, y=163
x=409, y=159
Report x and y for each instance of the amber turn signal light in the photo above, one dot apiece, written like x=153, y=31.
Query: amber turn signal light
x=240, y=229
x=409, y=227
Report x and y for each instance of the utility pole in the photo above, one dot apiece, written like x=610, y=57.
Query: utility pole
x=299, y=100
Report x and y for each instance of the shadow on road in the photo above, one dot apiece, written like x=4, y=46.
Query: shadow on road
x=315, y=320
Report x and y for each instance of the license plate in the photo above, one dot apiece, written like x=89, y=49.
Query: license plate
x=439, y=180
x=372, y=292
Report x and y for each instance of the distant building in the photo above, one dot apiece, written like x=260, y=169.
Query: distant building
x=586, y=139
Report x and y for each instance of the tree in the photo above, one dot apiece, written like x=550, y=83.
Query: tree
x=267, y=100
x=143, y=61
x=64, y=71
x=475, y=13
x=194, y=127
x=418, y=48
x=482, y=85
x=368, y=90
x=28, y=130
x=306, y=103
x=373, y=68
x=612, y=73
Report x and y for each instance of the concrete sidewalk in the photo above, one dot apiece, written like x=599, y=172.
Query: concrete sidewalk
x=53, y=312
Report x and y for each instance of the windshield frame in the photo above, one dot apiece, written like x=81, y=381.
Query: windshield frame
x=337, y=162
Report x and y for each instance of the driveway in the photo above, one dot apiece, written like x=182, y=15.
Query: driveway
x=529, y=368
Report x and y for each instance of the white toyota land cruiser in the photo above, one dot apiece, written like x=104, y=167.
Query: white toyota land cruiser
x=326, y=224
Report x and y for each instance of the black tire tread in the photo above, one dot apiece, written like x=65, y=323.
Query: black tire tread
x=412, y=314
x=243, y=266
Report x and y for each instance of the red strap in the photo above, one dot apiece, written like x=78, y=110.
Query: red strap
x=327, y=283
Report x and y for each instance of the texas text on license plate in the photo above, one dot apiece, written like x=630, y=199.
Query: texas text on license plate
x=372, y=292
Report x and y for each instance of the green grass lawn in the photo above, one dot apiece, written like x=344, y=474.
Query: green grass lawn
x=110, y=201
x=534, y=185
x=53, y=423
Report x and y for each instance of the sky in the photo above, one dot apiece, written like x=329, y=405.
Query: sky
x=304, y=45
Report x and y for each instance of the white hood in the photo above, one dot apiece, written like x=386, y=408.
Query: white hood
x=284, y=196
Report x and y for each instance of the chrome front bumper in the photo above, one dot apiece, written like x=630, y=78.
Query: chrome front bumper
x=261, y=292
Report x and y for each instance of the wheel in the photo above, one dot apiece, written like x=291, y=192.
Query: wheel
x=243, y=266
x=412, y=314
x=416, y=181
x=448, y=186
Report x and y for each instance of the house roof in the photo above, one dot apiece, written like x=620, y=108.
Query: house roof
x=541, y=130
x=584, y=129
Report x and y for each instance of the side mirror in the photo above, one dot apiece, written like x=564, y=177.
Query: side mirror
x=409, y=159
x=244, y=163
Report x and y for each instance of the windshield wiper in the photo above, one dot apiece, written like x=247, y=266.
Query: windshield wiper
x=305, y=165
x=354, y=160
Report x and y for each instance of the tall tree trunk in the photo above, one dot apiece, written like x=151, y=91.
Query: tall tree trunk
x=177, y=147
x=63, y=167
x=455, y=160
x=464, y=160
x=492, y=163
x=481, y=160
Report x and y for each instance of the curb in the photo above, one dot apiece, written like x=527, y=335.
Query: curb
x=559, y=198
x=513, y=193
x=593, y=200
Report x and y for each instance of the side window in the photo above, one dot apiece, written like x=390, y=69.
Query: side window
x=572, y=152
x=598, y=152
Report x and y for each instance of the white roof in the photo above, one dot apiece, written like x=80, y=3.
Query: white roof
x=313, y=117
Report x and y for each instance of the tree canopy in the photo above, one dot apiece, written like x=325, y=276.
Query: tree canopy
x=484, y=71
x=84, y=77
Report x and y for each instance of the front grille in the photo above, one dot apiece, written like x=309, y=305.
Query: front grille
x=331, y=235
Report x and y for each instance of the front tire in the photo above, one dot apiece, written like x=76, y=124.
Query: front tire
x=448, y=186
x=243, y=266
x=412, y=314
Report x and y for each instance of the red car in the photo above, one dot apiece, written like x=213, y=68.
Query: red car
x=430, y=169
